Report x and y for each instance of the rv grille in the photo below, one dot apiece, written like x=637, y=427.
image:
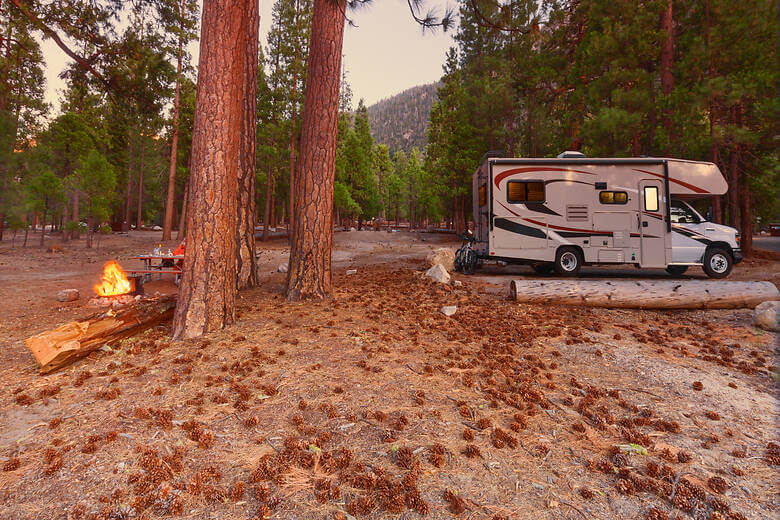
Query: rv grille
x=576, y=213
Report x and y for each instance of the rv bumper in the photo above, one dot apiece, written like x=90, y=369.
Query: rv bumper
x=737, y=254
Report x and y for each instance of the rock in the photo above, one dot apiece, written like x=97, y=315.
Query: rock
x=444, y=256
x=282, y=268
x=449, y=310
x=68, y=295
x=767, y=316
x=351, y=271
x=438, y=273
x=352, y=229
x=457, y=283
x=157, y=228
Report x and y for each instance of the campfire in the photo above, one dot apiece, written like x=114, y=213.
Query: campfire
x=115, y=287
x=114, y=281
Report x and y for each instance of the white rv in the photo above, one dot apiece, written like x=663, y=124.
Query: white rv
x=572, y=211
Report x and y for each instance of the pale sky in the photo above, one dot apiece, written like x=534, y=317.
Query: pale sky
x=385, y=54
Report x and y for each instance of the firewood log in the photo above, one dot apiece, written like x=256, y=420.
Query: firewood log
x=56, y=348
x=645, y=294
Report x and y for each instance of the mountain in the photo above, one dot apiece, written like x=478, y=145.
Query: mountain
x=400, y=121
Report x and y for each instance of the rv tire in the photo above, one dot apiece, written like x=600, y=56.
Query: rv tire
x=717, y=263
x=568, y=261
x=542, y=267
x=676, y=270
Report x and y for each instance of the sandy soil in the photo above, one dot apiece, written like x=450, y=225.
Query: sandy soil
x=376, y=405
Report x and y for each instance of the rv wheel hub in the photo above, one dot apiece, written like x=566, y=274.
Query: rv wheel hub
x=718, y=263
x=568, y=261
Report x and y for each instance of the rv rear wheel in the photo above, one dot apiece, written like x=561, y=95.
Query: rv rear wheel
x=717, y=263
x=676, y=270
x=542, y=268
x=568, y=261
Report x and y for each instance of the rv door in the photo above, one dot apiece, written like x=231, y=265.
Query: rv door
x=651, y=223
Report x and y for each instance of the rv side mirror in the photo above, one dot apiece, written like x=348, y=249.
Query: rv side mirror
x=708, y=215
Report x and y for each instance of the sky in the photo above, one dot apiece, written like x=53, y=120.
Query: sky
x=386, y=53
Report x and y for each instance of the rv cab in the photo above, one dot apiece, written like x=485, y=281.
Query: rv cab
x=562, y=213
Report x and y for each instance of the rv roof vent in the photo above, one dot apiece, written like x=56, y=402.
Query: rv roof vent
x=570, y=154
x=576, y=213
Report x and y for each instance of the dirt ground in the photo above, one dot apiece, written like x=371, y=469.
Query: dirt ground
x=376, y=405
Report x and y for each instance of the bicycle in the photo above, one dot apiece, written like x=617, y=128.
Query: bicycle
x=465, y=256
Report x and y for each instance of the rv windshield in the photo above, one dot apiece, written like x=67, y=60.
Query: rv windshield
x=682, y=213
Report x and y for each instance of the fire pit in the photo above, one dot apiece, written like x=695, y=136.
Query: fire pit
x=115, y=288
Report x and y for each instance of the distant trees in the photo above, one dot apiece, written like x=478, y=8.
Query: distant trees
x=596, y=76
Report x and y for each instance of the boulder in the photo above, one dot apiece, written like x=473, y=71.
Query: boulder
x=352, y=229
x=68, y=295
x=282, y=268
x=351, y=271
x=438, y=273
x=767, y=316
x=449, y=310
x=444, y=256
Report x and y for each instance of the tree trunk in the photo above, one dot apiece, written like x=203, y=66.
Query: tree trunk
x=168, y=221
x=207, y=291
x=246, y=264
x=140, y=210
x=90, y=232
x=267, y=212
x=181, y=233
x=667, y=62
x=645, y=294
x=734, y=173
x=128, y=199
x=745, y=217
x=43, y=226
x=293, y=125
x=2, y=225
x=75, y=216
x=309, y=274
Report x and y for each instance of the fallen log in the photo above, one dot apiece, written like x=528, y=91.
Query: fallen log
x=645, y=294
x=56, y=348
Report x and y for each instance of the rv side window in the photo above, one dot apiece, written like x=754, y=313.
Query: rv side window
x=613, y=197
x=524, y=191
x=651, y=198
x=482, y=195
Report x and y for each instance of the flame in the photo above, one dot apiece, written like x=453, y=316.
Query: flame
x=114, y=281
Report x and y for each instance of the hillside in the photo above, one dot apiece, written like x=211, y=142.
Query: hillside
x=400, y=122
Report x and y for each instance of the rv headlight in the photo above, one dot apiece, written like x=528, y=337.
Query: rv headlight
x=736, y=238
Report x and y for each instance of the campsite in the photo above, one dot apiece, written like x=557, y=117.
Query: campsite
x=397, y=259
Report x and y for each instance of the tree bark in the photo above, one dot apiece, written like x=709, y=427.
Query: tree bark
x=293, y=125
x=734, y=172
x=207, y=291
x=246, y=264
x=139, y=214
x=43, y=226
x=688, y=294
x=309, y=274
x=181, y=233
x=168, y=221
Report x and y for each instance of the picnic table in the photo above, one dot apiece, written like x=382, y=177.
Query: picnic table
x=153, y=264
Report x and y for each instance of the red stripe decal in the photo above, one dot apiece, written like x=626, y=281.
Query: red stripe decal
x=503, y=175
x=562, y=228
x=691, y=187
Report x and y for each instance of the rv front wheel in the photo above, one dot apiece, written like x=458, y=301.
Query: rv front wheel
x=568, y=261
x=717, y=263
